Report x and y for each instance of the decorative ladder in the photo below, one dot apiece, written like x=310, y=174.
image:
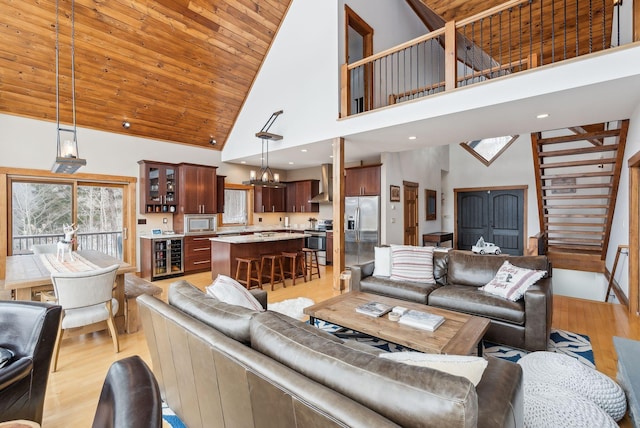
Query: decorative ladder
x=577, y=175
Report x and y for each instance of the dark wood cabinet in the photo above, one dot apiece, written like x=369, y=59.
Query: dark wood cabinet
x=329, y=247
x=299, y=193
x=269, y=199
x=362, y=181
x=198, y=189
x=197, y=253
x=220, y=193
x=158, y=187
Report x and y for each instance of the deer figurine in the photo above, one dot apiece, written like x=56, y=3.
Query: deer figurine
x=66, y=244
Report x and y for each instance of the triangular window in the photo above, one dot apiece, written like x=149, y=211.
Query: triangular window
x=488, y=149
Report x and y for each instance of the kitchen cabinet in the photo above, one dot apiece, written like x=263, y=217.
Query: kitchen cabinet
x=329, y=247
x=198, y=189
x=197, y=253
x=299, y=193
x=269, y=199
x=161, y=257
x=362, y=181
x=158, y=187
x=220, y=193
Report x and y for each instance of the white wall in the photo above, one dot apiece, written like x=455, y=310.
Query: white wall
x=620, y=230
x=513, y=167
x=422, y=166
x=300, y=74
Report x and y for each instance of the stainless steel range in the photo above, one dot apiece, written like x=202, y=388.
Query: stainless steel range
x=318, y=239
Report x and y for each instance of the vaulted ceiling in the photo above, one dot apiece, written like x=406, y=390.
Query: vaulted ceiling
x=177, y=70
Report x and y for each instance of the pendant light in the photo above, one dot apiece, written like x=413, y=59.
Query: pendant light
x=67, y=158
x=265, y=177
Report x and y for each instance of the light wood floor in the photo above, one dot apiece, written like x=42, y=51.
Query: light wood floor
x=74, y=389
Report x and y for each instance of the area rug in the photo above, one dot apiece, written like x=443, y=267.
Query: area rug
x=561, y=341
x=170, y=419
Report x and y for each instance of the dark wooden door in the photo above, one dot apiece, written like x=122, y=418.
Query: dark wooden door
x=410, y=213
x=496, y=215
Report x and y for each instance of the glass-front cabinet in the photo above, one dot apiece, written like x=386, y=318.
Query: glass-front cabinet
x=158, y=187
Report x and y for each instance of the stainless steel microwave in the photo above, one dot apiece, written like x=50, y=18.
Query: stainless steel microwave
x=199, y=223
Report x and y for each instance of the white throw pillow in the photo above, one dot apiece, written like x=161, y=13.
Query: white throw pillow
x=511, y=281
x=382, y=264
x=469, y=367
x=230, y=291
x=410, y=263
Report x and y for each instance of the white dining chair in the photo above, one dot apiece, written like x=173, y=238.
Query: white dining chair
x=87, y=303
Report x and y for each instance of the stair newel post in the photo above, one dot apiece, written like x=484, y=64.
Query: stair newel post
x=345, y=88
x=450, y=56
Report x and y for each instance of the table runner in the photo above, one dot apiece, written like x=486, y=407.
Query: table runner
x=79, y=264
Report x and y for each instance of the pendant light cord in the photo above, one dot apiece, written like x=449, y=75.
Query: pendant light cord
x=73, y=74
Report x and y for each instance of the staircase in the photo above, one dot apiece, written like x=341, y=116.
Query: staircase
x=577, y=175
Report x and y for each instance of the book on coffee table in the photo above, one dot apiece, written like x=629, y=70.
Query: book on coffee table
x=423, y=320
x=374, y=309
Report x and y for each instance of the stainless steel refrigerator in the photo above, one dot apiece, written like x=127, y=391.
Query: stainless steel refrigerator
x=361, y=228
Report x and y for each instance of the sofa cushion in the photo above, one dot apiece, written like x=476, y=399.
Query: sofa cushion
x=382, y=261
x=404, y=290
x=467, y=268
x=407, y=395
x=511, y=281
x=230, y=291
x=467, y=366
x=472, y=300
x=231, y=320
x=411, y=263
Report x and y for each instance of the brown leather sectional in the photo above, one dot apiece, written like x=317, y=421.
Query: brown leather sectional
x=524, y=324
x=226, y=366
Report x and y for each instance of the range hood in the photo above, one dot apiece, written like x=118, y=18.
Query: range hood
x=326, y=182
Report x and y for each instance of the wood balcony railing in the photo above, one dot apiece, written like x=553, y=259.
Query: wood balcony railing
x=515, y=36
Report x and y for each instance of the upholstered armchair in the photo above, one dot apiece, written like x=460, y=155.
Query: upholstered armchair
x=130, y=397
x=87, y=301
x=28, y=330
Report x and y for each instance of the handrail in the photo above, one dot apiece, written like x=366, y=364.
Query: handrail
x=490, y=44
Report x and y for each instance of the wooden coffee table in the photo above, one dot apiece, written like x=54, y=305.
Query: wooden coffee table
x=460, y=334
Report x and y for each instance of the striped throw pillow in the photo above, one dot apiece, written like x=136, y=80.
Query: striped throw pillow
x=409, y=263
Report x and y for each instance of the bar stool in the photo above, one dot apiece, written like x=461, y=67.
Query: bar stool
x=294, y=260
x=250, y=264
x=311, y=262
x=273, y=262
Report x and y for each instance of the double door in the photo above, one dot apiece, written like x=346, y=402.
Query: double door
x=269, y=199
x=298, y=195
x=158, y=187
x=495, y=215
x=362, y=181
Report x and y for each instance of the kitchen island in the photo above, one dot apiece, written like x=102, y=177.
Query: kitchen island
x=226, y=249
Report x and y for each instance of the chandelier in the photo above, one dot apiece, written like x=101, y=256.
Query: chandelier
x=67, y=159
x=265, y=177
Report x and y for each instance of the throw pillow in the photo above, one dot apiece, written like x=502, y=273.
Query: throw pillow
x=382, y=264
x=511, y=281
x=409, y=263
x=5, y=356
x=465, y=366
x=230, y=291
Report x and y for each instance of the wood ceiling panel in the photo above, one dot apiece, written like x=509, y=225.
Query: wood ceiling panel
x=178, y=70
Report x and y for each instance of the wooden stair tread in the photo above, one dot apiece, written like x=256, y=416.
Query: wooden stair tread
x=577, y=163
x=579, y=137
x=578, y=207
x=579, y=151
x=578, y=175
x=578, y=186
x=566, y=196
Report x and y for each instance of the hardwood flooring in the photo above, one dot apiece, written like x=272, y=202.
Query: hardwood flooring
x=73, y=391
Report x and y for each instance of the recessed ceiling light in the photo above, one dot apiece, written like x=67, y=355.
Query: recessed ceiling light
x=413, y=137
x=542, y=116
x=243, y=162
x=290, y=163
x=303, y=150
x=331, y=156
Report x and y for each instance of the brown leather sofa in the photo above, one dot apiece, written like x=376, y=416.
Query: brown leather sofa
x=524, y=324
x=222, y=365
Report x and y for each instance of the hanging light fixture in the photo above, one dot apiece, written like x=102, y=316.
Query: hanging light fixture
x=265, y=177
x=67, y=158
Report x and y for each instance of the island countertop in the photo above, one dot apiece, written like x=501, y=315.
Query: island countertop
x=258, y=237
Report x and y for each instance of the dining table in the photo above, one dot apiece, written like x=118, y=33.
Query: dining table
x=28, y=274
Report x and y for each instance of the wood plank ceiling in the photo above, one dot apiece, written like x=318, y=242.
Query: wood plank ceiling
x=177, y=70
